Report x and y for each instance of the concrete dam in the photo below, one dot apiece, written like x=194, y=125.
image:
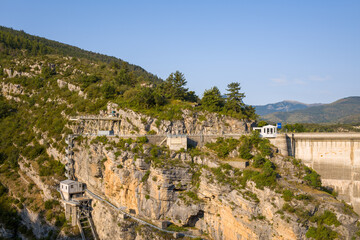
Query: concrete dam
x=335, y=156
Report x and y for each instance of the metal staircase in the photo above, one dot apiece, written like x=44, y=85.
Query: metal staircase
x=84, y=220
x=86, y=228
x=69, y=166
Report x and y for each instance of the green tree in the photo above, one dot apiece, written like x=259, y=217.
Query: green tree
x=174, y=86
x=262, y=123
x=5, y=108
x=212, y=100
x=234, y=101
x=159, y=98
x=86, y=80
x=48, y=71
x=312, y=178
x=108, y=90
x=146, y=97
x=191, y=96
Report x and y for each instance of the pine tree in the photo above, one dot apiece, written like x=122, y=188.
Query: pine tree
x=234, y=101
x=174, y=86
x=212, y=100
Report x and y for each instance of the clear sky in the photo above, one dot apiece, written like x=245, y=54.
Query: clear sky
x=305, y=50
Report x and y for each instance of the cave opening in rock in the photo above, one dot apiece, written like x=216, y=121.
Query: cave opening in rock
x=192, y=220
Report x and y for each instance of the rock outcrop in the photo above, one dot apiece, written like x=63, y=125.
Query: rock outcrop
x=172, y=191
x=128, y=122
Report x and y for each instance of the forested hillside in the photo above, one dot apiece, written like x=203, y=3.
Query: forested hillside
x=102, y=78
x=345, y=110
x=44, y=82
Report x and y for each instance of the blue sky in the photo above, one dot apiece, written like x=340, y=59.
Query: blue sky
x=305, y=50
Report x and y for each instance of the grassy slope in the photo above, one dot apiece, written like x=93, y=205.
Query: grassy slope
x=54, y=47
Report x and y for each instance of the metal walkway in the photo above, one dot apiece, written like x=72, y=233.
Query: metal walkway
x=85, y=222
x=121, y=209
x=84, y=219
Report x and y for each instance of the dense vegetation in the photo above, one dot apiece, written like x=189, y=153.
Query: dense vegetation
x=246, y=146
x=39, y=110
x=13, y=40
x=104, y=79
x=232, y=105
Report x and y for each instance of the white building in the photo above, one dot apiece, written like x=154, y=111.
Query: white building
x=268, y=131
x=71, y=189
x=106, y=133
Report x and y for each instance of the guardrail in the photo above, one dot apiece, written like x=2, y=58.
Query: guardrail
x=135, y=218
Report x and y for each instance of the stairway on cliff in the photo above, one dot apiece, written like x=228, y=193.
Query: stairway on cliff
x=86, y=227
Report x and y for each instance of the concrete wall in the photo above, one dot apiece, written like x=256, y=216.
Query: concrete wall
x=177, y=143
x=70, y=213
x=192, y=140
x=335, y=156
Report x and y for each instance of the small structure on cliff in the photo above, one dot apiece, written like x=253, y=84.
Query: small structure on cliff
x=78, y=207
x=105, y=133
x=71, y=189
x=268, y=131
x=177, y=142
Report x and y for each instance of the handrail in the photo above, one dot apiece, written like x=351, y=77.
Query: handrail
x=92, y=225
x=81, y=230
x=135, y=218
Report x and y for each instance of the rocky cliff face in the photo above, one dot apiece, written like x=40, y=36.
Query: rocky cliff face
x=128, y=122
x=181, y=190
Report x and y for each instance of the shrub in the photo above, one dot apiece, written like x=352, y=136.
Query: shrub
x=101, y=139
x=52, y=167
x=157, y=123
x=60, y=220
x=302, y=197
x=155, y=151
x=175, y=228
x=329, y=218
x=245, y=148
x=288, y=208
x=192, y=195
x=321, y=233
x=258, y=161
x=49, y=204
x=223, y=147
x=146, y=176
x=264, y=147
x=312, y=178
x=287, y=195
x=3, y=190
x=152, y=132
x=141, y=140
x=251, y=195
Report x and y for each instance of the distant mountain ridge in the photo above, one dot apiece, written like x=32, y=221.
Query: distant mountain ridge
x=346, y=110
x=284, y=106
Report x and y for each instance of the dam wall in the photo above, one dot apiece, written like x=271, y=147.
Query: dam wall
x=335, y=156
